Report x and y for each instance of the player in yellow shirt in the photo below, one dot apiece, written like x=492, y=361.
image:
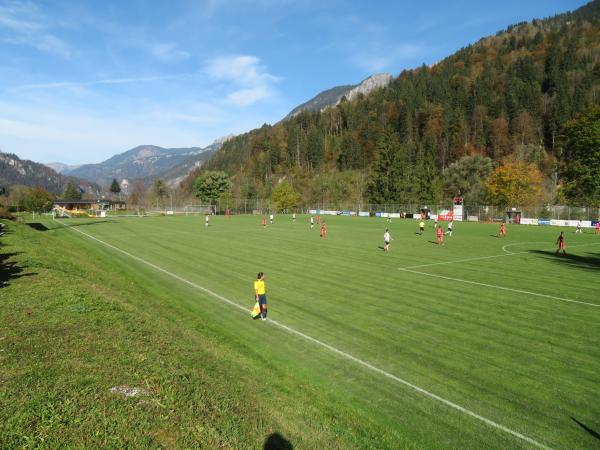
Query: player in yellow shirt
x=261, y=294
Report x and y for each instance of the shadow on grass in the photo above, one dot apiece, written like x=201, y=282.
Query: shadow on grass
x=10, y=269
x=589, y=430
x=38, y=226
x=83, y=224
x=591, y=262
x=277, y=442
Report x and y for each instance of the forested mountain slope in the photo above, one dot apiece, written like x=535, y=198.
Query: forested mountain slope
x=505, y=97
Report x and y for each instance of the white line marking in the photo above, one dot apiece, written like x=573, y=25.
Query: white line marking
x=460, y=260
x=324, y=345
x=504, y=288
x=504, y=247
x=477, y=258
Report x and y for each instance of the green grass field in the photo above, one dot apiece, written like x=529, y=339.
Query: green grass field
x=501, y=328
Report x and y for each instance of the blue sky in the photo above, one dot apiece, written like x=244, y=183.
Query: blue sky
x=83, y=80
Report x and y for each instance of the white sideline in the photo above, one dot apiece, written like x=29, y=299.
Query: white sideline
x=507, y=253
x=324, y=345
x=504, y=288
x=461, y=260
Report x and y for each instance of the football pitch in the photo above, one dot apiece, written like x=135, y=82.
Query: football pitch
x=479, y=343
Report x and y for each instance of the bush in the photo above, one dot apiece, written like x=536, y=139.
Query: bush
x=5, y=213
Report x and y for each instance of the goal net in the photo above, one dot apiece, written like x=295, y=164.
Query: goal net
x=197, y=210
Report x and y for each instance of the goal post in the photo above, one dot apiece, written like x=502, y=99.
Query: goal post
x=197, y=210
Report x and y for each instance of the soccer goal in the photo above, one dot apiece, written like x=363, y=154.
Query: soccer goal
x=198, y=210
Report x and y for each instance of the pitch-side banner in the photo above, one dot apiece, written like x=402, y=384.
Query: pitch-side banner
x=571, y=223
x=446, y=215
x=525, y=221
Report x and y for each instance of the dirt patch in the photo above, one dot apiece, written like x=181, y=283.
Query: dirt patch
x=128, y=391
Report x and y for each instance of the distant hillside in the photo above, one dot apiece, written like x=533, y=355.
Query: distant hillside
x=330, y=97
x=333, y=96
x=62, y=168
x=15, y=171
x=140, y=162
x=506, y=96
x=175, y=175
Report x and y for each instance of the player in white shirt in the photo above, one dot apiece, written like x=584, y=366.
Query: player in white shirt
x=206, y=221
x=312, y=222
x=450, y=226
x=578, y=229
x=294, y=217
x=271, y=219
x=386, y=240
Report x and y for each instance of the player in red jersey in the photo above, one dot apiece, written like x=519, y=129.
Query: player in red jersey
x=323, y=230
x=318, y=219
x=598, y=227
x=264, y=222
x=561, y=243
x=502, y=231
x=440, y=235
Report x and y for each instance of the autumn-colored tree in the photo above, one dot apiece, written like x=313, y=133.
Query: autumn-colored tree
x=515, y=183
x=523, y=129
x=138, y=191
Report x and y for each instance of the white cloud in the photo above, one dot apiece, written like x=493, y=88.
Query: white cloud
x=247, y=97
x=71, y=84
x=245, y=72
x=27, y=25
x=169, y=53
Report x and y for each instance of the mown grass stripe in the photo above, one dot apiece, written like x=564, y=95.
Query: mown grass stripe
x=504, y=288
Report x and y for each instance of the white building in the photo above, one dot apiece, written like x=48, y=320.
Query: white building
x=125, y=186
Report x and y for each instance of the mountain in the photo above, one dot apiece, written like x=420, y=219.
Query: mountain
x=176, y=174
x=505, y=98
x=334, y=96
x=140, y=162
x=15, y=171
x=330, y=97
x=62, y=168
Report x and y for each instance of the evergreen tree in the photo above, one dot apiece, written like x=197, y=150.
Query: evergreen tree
x=580, y=159
x=160, y=190
x=385, y=183
x=114, y=186
x=72, y=192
